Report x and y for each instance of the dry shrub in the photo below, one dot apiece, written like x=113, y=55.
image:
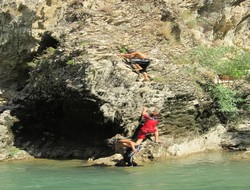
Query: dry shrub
x=165, y=31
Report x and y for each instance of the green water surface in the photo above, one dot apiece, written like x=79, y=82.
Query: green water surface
x=215, y=171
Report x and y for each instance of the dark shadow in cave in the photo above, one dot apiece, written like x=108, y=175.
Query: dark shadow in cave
x=70, y=127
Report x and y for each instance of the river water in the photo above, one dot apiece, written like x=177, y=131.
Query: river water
x=213, y=171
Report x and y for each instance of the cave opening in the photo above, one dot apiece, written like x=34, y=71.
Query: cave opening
x=64, y=128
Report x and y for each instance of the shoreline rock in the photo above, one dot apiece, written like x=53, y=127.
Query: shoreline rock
x=7, y=149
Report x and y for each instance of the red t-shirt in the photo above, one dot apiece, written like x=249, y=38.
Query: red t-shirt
x=148, y=127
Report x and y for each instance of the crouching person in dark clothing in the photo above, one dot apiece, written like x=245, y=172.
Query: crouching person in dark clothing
x=125, y=147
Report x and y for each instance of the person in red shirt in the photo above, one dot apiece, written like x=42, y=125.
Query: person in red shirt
x=149, y=126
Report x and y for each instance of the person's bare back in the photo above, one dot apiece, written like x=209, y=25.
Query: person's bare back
x=134, y=55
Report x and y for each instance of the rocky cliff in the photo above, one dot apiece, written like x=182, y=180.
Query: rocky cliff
x=63, y=80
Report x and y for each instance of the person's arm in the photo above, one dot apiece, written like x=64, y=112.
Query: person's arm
x=132, y=144
x=144, y=113
x=126, y=55
x=128, y=143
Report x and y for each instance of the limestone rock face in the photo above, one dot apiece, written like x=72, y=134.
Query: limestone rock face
x=79, y=92
x=6, y=135
x=107, y=25
x=16, y=42
x=7, y=149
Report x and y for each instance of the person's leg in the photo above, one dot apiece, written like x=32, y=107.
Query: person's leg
x=145, y=76
x=138, y=77
x=138, y=142
x=157, y=136
x=127, y=143
x=141, y=136
x=136, y=66
x=129, y=156
x=144, y=71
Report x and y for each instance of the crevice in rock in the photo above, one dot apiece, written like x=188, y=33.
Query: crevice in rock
x=237, y=2
x=23, y=70
x=47, y=41
x=48, y=2
x=211, y=6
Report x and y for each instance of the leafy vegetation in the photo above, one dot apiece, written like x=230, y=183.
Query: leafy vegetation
x=227, y=62
x=70, y=62
x=13, y=151
x=159, y=79
x=222, y=60
x=123, y=50
x=226, y=98
x=83, y=43
x=50, y=50
x=33, y=63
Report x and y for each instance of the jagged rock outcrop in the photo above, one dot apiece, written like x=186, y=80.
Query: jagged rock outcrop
x=79, y=91
x=7, y=149
x=6, y=136
x=239, y=138
x=16, y=43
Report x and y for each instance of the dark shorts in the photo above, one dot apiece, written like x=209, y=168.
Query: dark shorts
x=144, y=63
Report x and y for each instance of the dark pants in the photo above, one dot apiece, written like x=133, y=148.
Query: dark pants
x=129, y=156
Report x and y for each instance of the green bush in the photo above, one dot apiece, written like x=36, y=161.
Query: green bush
x=203, y=55
x=226, y=99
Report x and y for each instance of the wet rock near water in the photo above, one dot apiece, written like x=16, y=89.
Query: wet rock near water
x=7, y=149
x=245, y=155
x=238, y=139
x=107, y=161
